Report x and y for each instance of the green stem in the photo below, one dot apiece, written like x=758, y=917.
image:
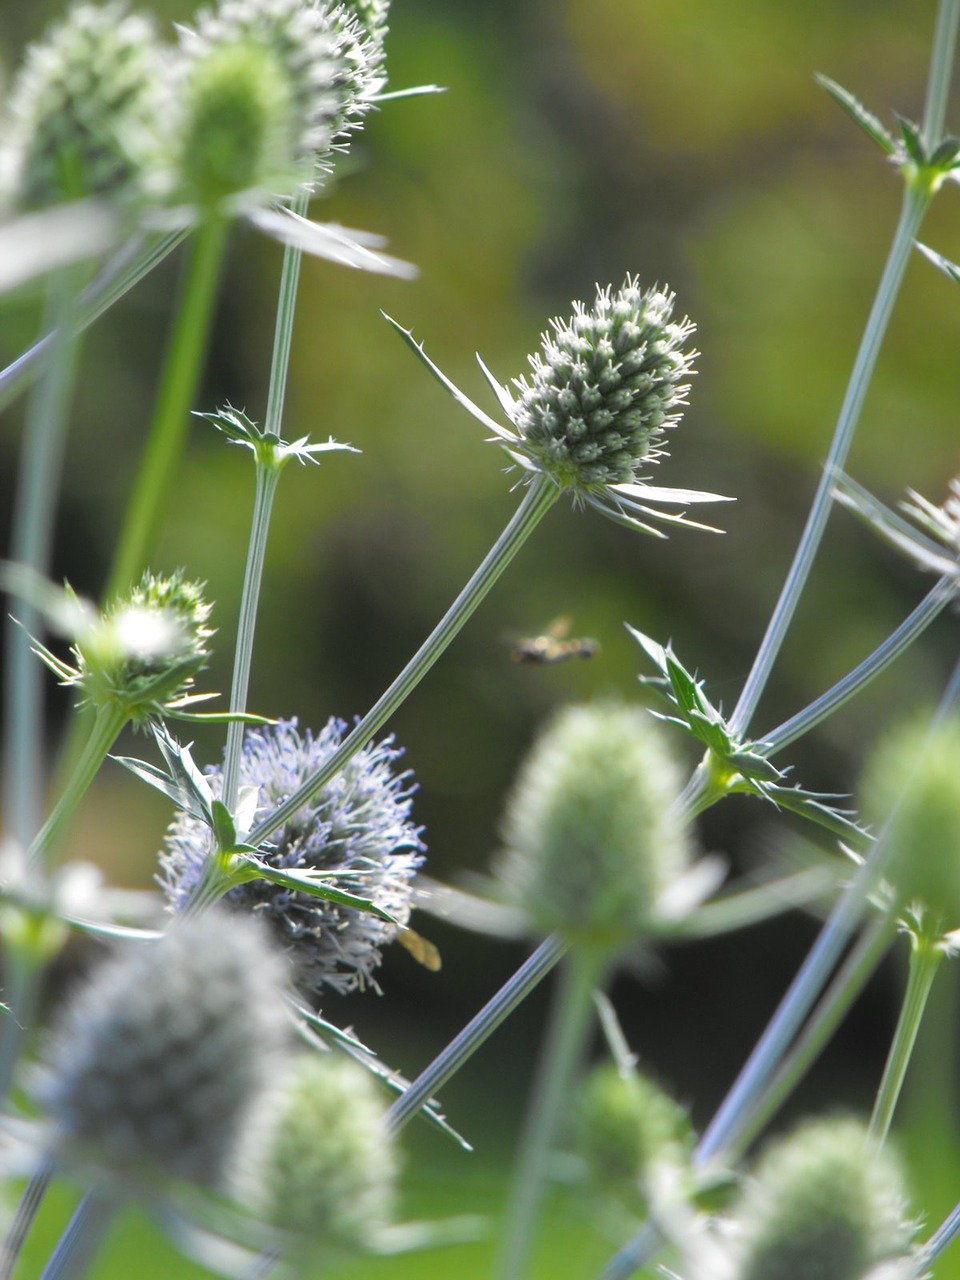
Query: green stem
x=106, y=728
x=476, y=1032
x=268, y=477
x=267, y=480
x=850, y=980
x=929, y=608
x=31, y=542
x=24, y=1215
x=915, y=203
x=168, y=431
x=82, y=1239
x=569, y=1018
x=537, y=501
x=925, y=959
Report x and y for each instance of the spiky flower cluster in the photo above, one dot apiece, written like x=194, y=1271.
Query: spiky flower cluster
x=912, y=778
x=145, y=649
x=269, y=90
x=357, y=827
x=161, y=1053
x=822, y=1205
x=608, y=383
x=593, y=838
x=324, y=1164
x=626, y=1125
x=82, y=106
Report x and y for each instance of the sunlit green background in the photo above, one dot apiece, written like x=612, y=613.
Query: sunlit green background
x=578, y=140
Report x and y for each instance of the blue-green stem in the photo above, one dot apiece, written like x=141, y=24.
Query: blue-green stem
x=915, y=203
x=126, y=268
x=477, y=1030
x=926, y=955
x=81, y=1241
x=929, y=608
x=570, y=1015
x=171, y=420
x=38, y=486
x=539, y=497
x=268, y=476
x=24, y=1215
x=106, y=727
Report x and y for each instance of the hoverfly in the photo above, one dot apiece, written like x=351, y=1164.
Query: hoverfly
x=553, y=645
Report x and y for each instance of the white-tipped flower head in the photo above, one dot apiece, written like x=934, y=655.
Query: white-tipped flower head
x=913, y=777
x=82, y=107
x=145, y=649
x=822, y=1205
x=593, y=838
x=359, y=823
x=626, y=1127
x=324, y=1162
x=269, y=91
x=161, y=1053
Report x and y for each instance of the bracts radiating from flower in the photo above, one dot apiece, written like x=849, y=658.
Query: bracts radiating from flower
x=359, y=823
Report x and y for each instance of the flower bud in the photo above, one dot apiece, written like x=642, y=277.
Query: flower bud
x=592, y=830
x=82, y=106
x=626, y=1125
x=146, y=647
x=324, y=1161
x=823, y=1205
x=913, y=776
x=607, y=385
x=160, y=1054
x=359, y=822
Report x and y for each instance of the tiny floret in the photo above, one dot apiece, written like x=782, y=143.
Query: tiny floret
x=358, y=827
x=159, y=1056
x=594, y=841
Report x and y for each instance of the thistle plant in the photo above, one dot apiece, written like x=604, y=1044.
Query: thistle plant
x=294, y=857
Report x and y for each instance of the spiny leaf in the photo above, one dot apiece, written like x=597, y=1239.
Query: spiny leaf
x=949, y=269
x=858, y=112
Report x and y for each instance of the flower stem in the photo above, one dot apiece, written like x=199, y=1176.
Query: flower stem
x=930, y=607
x=171, y=419
x=84, y=1234
x=538, y=499
x=31, y=541
x=925, y=958
x=24, y=1215
x=267, y=480
x=570, y=1015
x=915, y=202
x=477, y=1030
x=106, y=727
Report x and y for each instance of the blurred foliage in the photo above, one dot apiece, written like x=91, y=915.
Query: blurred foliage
x=578, y=140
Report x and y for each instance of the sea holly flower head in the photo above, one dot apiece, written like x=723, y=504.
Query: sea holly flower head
x=596, y=848
x=823, y=1204
x=161, y=1054
x=912, y=781
x=357, y=830
x=82, y=109
x=141, y=653
x=591, y=416
x=321, y=1166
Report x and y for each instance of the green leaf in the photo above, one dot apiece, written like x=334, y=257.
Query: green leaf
x=945, y=154
x=223, y=827
x=949, y=269
x=912, y=141
x=858, y=113
x=248, y=867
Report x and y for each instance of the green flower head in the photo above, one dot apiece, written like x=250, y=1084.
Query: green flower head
x=83, y=108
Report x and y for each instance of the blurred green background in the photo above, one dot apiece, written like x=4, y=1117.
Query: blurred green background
x=579, y=140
